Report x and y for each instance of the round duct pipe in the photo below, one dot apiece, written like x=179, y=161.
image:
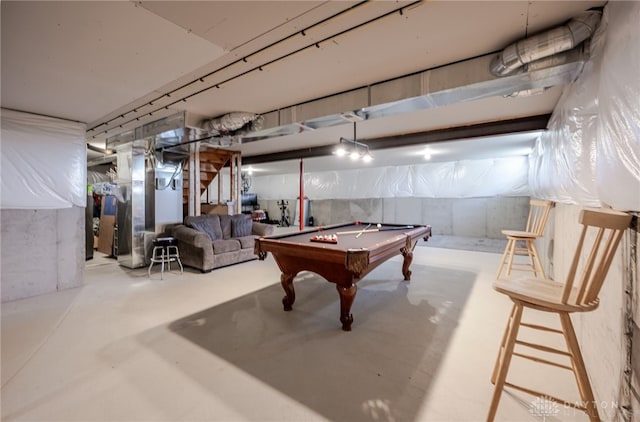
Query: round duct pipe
x=546, y=44
x=231, y=122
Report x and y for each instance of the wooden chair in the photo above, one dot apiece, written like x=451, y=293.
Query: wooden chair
x=578, y=294
x=537, y=220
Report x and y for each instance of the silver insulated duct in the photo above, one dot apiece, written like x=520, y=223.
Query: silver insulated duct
x=546, y=44
x=230, y=122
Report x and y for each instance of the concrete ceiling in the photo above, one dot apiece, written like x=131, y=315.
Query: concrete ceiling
x=115, y=65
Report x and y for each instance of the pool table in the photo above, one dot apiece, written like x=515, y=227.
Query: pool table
x=349, y=252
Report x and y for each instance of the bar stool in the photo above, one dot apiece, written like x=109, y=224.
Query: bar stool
x=599, y=239
x=538, y=215
x=165, y=250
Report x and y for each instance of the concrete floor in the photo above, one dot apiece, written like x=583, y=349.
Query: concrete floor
x=218, y=346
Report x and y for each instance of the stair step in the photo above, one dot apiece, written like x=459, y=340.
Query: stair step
x=211, y=162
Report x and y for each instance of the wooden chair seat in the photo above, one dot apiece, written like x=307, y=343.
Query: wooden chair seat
x=519, y=234
x=578, y=293
x=542, y=294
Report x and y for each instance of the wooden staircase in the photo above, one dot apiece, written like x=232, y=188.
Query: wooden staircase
x=211, y=161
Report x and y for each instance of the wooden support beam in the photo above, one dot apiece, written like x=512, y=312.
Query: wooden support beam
x=194, y=179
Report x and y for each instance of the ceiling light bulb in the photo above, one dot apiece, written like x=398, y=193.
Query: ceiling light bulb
x=367, y=158
x=340, y=152
x=354, y=155
x=427, y=156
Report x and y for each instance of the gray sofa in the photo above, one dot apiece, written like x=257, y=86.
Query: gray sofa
x=211, y=241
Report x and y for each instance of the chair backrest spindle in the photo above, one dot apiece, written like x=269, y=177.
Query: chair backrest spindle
x=607, y=258
x=538, y=215
x=610, y=226
x=588, y=275
x=574, y=267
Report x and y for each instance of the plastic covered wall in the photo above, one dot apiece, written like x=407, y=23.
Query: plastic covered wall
x=618, y=134
x=590, y=155
x=459, y=179
x=44, y=162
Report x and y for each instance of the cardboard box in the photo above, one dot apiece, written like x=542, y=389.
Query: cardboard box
x=107, y=224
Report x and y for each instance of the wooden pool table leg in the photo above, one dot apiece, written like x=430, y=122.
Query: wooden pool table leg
x=286, y=280
x=347, y=294
x=408, y=258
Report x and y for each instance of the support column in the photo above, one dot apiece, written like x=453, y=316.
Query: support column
x=194, y=179
x=235, y=170
x=301, y=202
x=219, y=177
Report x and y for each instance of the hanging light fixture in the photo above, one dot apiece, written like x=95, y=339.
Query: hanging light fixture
x=354, y=149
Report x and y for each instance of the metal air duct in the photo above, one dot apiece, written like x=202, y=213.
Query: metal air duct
x=546, y=44
x=231, y=122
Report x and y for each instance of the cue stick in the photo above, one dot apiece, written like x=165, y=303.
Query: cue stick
x=362, y=231
x=382, y=229
x=359, y=231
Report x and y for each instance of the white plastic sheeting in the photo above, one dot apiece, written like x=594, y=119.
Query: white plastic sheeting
x=44, y=162
x=460, y=179
x=591, y=153
x=563, y=160
x=618, y=144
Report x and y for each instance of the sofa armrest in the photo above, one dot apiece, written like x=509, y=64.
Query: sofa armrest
x=192, y=236
x=261, y=229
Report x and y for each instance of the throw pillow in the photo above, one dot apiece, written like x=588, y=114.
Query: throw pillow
x=225, y=225
x=214, y=221
x=241, y=225
x=203, y=226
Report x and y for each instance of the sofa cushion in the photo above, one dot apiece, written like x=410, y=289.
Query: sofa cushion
x=241, y=225
x=225, y=224
x=262, y=229
x=225, y=245
x=209, y=224
x=247, y=242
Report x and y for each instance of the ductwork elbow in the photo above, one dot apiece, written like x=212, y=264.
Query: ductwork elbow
x=546, y=43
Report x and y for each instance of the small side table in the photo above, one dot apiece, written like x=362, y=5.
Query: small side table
x=165, y=250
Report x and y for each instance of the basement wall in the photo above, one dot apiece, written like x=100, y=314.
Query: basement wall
x=469, y=198
x=42, y=251
x=601, y=333
x=589, y=157
x=43, y=200
x=467, y=217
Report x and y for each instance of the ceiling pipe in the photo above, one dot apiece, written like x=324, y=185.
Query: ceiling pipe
x=98, y=149
x=107, y=159
x=546, y=44
x=108, y=156
x=201, y=79
x=231, y=122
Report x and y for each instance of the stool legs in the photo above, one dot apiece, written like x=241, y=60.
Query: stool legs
x=167, y=254
x=511, y=250
x=533, y=251
x=504, y=258
x=172, y=253
x=504, y=359
x=506, y=351
x=502, y=343
x=155, y=259
x=579, y=368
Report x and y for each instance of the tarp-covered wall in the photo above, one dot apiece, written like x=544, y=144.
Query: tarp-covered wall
x=590, y=155
x=44, y=162
x=458, y=179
